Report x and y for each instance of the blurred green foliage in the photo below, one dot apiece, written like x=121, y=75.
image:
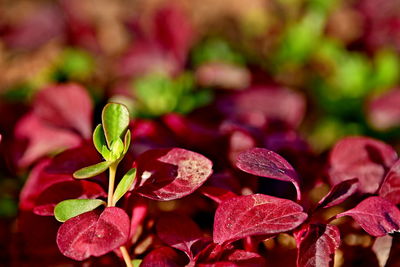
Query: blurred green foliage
x=216, y=50
x=157, y=94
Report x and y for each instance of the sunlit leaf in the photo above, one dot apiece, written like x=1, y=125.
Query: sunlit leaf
x=98, y=138
x=93, y=233
x=69, y=208
x=256, y=214
x=377, y=216
x=92, y=170
x=115, y=118
x=124, y=185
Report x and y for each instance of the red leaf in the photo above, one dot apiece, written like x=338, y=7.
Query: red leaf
x=50, y=172
x=377, y=216
x=139, y=208
x=37, y=182
x=339, y=193
x=164, y=256
x=173, y=32
x=58, y=192
x=317, y=245
x=216, y=193
x=266, y=163
x=189, y=131
x=35, y=29
x=256, y=214
x=261, y=105
x=65, y=106
x=166, y=174
x=245, y=258
x=93, y=234
x=71, y=160
x=363, y=158
x=179, y=232
x=40, y=138
x=384, y=112
x=390, y=188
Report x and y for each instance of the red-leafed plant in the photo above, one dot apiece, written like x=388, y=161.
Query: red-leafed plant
x=92, y=225
x=256, y=217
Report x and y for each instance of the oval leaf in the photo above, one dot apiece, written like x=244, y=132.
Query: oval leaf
x=377, y=216
x=390, y=188
x=339, y=193
x=65, y=106
x=124, y=185
x=99, y=138
x=384, y=111
x=93, y=234
x=75, y=189
x=317, y=245
x=70, y=208
x=115, y=119
x=255, y=214
x=92, y=170
x=362, y=158
x=164, y=256
x=216, y=193
x=179, y=232
x=266, y=163
x=166, y=174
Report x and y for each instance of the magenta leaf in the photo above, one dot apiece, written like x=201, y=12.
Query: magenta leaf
x=363, y=158
x=66, y=106
x=173, y=32
x=60, y=191
x=339, y=193
x=71, y=160
x=316, y=245
x=384, y=111
x=188, y=131
x=216, y=193
x=166, y=174
x=93, y=234
x=40, y=139
x=265, y=104
x=377, y=216
x=244, y=258
x=266, y=163
x=37, y=182
x=390, y=188
x=255, y=214
x=179, y=232
x=164, y=256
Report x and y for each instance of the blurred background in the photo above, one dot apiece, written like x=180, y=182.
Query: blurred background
x=333, y=66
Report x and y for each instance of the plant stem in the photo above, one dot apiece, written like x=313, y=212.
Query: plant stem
x=126, y=256
x=111, y=181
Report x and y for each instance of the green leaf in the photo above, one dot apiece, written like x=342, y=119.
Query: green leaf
x=106, y=153
x=115, y=120
x=92, y=170
x=136, y=262
x=98, y=138
x=127, y=141
x=117, y=147
x=73, y=207
x=124, y=185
